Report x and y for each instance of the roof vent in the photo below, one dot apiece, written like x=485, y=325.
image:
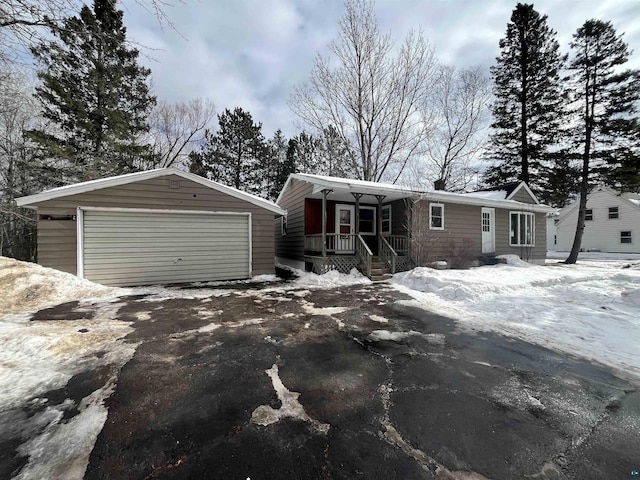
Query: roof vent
x=174, y=183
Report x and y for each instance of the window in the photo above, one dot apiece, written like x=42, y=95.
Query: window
x=625, y=237
x=613, y=213
x=283, y=226
x=521, y=229
x=588, y=214
x=385, y=218
x=367, y=221
x=436, y=216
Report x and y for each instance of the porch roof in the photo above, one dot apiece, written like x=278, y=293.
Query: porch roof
x=342, y=189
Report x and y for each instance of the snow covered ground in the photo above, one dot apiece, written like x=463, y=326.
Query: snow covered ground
x=591, y=309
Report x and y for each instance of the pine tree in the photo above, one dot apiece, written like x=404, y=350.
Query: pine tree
x=276, y=167
x=528, y=109
x=235, y=154
x=95, y=94
x=607, y=95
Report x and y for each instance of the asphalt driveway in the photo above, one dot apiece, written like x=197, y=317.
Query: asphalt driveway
x=284, y=383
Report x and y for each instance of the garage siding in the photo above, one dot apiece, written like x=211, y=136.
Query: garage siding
x=57, y=245
x=140, y=248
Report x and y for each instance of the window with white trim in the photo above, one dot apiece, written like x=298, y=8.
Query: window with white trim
x=613, y=213
x=367, y=219
x=588, y=214
x=436, y=216
x=385, y=219
x=625, y=236
x=522, y=229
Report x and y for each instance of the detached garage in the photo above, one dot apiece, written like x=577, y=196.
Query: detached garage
x=154, y=227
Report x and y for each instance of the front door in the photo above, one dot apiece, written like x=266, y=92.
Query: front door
x=488, y=230
x=345, y=228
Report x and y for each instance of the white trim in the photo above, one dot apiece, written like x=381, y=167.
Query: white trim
x=364, y=207
x=146, y=175
x=388, y=207
x=250, y=226
x=352, y=226
x=161, y=210
x=431, y=205
x=527, y=189
x=80, y=242
x=492, y=227
x=533, y=229
x=80, y=227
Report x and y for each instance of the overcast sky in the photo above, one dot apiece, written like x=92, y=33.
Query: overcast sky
x=250, y=53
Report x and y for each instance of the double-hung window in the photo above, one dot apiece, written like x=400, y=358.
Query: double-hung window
x=522, y=229
x=625, y=236
x=367, y=221
x=436, y=216
x=385, y=219
x=588, y=214
x=613, y=213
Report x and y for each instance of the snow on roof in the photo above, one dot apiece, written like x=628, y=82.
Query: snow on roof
x=488, y=194
x=635, y=200
x=100, y=183
x=488, y=198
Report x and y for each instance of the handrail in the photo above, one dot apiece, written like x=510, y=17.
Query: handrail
x=388, y=254
x=399, y=243
x=364, y=253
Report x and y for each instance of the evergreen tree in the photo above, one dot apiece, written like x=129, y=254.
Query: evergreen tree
x=95, y=94
x=528, y=108
x=276, y=167
x=235, y=154
x=607, y=97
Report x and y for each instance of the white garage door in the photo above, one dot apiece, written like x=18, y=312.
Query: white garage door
x=143, y=248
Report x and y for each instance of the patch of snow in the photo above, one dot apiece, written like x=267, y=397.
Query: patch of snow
x=513, y=260
x=266, y=415
x=600, y=256
x=330, y=279
x=28, y=287
x=432, y=338
x=488, y=194
x=328, y=311
x=379, y=319
x=570, y=308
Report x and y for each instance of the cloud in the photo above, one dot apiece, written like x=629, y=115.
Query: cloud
x=251, y=53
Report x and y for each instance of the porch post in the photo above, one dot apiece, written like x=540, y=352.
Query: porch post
x=380, y=199
x=357, y=196
x=325, y=192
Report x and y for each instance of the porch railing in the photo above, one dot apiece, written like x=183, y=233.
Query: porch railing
x=398, y=243
x=364, y=254
x=335, y=243
x=388, y=254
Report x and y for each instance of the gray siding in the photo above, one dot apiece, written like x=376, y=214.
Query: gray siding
x=57, y=245
x=399, y=218
x=292, y=245
x=462, y=224
x=523, y=196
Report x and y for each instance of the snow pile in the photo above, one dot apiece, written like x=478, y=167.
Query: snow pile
x=592, y=310
x=330, y=279
x=29, y=287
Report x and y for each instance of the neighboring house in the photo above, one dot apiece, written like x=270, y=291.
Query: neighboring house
x=154, y=227
x=336, y=223
x=612, y=223
x=553, y=218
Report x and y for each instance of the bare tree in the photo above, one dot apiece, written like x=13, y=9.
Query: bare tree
x=177, y=128
x=26, y=22
x=460, y=110
x=370, y=92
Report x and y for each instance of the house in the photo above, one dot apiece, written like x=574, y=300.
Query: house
x=336, y=223
x=612, y=223
x=154, y=227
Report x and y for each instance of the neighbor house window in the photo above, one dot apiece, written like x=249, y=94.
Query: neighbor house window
x=588, y=214
x=521, y=229
x=625, y=237
x=367, y=220
x=385, y=218
x=436, y=216
x=613, y=212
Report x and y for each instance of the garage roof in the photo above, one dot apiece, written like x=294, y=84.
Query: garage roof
x=101, y=183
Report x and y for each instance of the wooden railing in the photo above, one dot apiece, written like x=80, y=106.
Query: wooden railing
x=387, y=253
x=364, y=254
x=398, y=243
x=334, y=242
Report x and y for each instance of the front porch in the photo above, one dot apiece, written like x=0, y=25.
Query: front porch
x=388, y=254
